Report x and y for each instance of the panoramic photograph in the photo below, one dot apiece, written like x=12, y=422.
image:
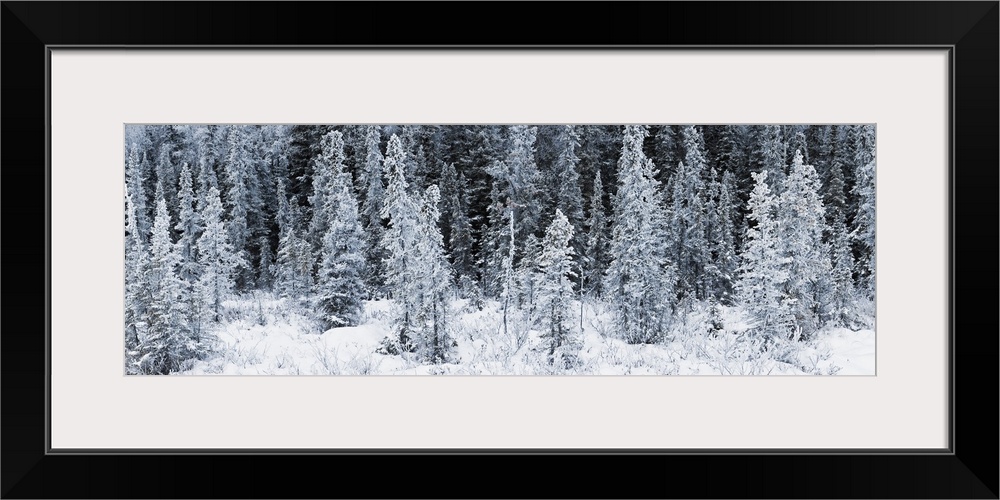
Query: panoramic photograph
x=522, y=249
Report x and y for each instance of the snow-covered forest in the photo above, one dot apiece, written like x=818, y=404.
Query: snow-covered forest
x=494, y=249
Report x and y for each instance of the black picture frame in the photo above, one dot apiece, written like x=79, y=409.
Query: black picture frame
x=969, y=469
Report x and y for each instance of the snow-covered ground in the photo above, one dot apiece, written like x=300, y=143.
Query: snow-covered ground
x=265, y=335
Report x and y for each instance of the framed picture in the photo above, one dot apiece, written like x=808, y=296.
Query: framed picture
x=93, y=91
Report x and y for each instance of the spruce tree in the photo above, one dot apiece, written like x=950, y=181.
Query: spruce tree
x=669, y=148
x=690, y=223
x=136, y=286
x=842, y=301
x=187, y=226
x=399, y=242
x=217, y=258
x=595, y=258
x=554, y=286
x=340, y=283
x=763, y=267
x=838, y=239
x=509, y=290
x=719, y=233
x=864, y=223
x=516, y=183
x=416, y=161
x=371, y=211
x=456, y=226
x=524, y=277
x=135, y=184
x=242, y=199
x=166, y=343
x=638, y=281
x=303, y=146
x=434, y=284
x=768, y=153
x=845, y=152
x=498, y=239
x=326, y=166
x=294, y=262
x=797, y=142
x=265, y=280
x=189, y=269
x=207, y=179
x=801, y=219
x=166, y=176
x=566, y=183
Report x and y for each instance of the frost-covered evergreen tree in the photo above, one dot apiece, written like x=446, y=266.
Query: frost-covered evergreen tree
x=294, y=262
x=834, y=197
x=166, y=175
x=566, y=192
x=207, y=180
x=135, y=185
x=498, y=238
x=842, y=311
x=269, y=150
x=340, y=280
x=284, y=216
x=400, y=244
x=864, y=223
x=265, y=280
x=303, y=146
x=189, y=269
x=843, y=150
x=595, y=259
x=371, y=211
x=418, y=274
x=434, y=342
x=689, y=224
x=554, y=288
x=216, y=257
x=638, y=281
x=524, y=277
x=763, y=267
x=136, y=286
x=472, y=149
x=838, y=238
x=416, y=161
x=730, y=153
x=516, y=182
x=167, y=338
x=242, y=199
x=669, y=147
x=187, y=226
x=326, y=166
x=801, y=219
x=733, y=157
x=509, y=290
x=720, y=235
x=600, y=146
x=456, y=226
x=207, y=151
x=768, y=153
x=797, y=142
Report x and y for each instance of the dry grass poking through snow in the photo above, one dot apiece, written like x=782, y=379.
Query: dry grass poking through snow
x=266, y=335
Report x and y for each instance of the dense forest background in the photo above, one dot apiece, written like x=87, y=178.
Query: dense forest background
x=773, y=224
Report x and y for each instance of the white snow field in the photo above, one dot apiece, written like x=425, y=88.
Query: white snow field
x=265, y=335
